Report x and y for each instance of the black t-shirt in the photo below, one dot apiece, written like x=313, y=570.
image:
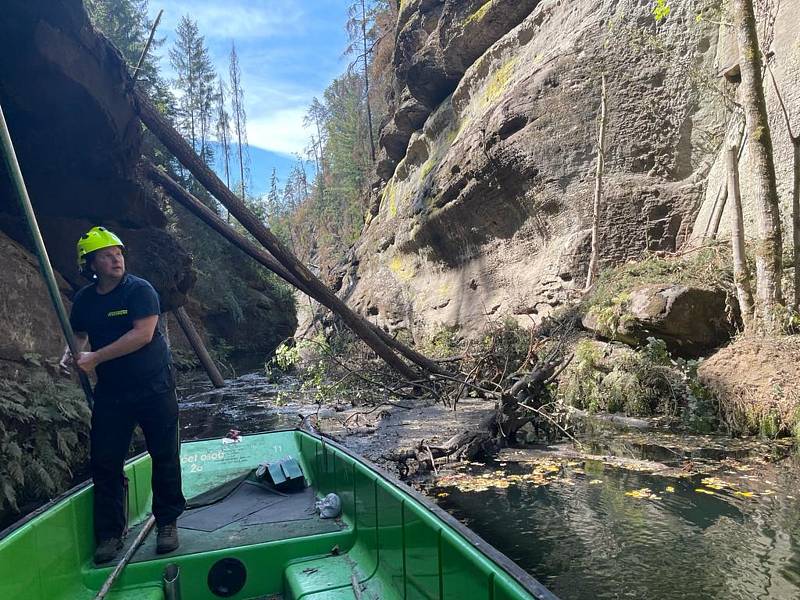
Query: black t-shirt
x=106, y=318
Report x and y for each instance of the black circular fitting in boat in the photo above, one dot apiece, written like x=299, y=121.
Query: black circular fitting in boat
x=227, y=577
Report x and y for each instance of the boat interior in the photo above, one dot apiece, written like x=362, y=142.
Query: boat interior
x=254, y=543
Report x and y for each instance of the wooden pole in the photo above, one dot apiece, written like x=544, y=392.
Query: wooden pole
x=594, y=260
x=112, y=578
x=139, y=64
x=46, y=268
x=722, y=194
x=205, y=214
x=741, y=274
x=199, y=347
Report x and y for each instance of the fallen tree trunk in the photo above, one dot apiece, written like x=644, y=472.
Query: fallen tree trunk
x=175, y=143
x=519, y=405
x=196, y=342
x=210, y=218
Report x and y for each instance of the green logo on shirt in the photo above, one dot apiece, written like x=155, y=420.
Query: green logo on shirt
x=118, y=313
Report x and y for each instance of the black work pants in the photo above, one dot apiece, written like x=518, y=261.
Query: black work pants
x=113, y=421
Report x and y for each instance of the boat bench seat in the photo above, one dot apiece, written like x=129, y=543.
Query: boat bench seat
x=328, y=577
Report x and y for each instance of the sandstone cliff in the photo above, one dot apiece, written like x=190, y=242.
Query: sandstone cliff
x=488, y=160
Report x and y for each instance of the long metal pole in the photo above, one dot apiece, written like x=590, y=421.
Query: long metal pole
x=10, y=157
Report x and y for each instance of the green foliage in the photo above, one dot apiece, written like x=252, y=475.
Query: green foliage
x=645, y=382
x=612, y=316
x=444, y=342
x=287, y=356
x=44, y=427
x=581, y=384
x=661, y=10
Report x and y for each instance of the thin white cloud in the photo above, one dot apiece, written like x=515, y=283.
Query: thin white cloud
x=281, y=131
x=233, y=19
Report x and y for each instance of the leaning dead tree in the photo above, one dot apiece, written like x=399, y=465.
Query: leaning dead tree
x=183, y=197
x=594, y=261
x=721, y=199
x=175, y=143
x=520, y=398
x=741, y=273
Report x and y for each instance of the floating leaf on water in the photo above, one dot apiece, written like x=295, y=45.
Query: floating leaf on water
x=715, y=483
x=442, y=495
x=643, y=494
x=705, y=491
x=744, y=494
x=670, y=489
x=595, y=481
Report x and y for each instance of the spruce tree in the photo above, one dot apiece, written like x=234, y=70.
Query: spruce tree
x=195, y=79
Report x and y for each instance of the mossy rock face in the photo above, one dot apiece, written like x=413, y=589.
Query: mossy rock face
x=691, y=320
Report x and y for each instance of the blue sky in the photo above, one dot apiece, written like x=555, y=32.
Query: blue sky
x=288, y=52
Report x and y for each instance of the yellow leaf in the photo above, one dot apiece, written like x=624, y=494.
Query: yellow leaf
x=643, y=494
x=670, y=489
x=714, y=483
x=595, y=481
x=704, y=491
x=744, y=494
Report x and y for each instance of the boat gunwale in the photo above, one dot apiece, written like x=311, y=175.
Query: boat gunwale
x=529, y=583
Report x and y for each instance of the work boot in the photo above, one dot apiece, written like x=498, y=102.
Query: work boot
x=167, y=538
x=107, y=550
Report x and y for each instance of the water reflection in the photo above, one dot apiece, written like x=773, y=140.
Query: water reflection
x=591, y=541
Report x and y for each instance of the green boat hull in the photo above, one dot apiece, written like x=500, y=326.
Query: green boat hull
x=389, y=543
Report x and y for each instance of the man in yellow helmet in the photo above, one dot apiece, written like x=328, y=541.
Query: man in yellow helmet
x=118, y=315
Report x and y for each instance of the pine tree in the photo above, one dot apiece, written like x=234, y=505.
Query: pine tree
x=195, y=79
x=239, y=117
x=361, y=35
x=315, y=119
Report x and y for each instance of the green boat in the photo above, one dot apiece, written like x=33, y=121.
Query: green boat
x=252, y=541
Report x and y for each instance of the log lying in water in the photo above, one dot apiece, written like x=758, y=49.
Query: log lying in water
x=175, y=143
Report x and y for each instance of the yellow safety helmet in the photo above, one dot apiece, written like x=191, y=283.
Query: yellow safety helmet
x=95, y=239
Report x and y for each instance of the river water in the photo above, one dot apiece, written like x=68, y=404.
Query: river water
x=584, y=538
x=588, y=531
